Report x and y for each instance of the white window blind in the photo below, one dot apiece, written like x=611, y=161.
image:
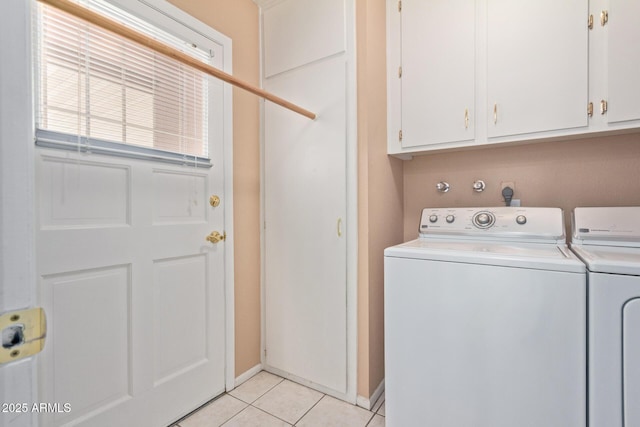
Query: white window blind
x=100, y=92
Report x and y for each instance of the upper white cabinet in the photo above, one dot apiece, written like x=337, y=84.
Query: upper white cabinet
x=435, y=76
x=537, y=65
x=299, y=32
x=467, y=73
x=623, y=60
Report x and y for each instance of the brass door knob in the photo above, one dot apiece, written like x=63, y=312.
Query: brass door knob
x=216, y=237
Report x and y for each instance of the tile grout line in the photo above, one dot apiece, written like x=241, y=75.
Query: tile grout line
x=309, y=410
x=270, y=414
x=199, y=408
x=257, y=398
x=373, y=417
x=227, y=421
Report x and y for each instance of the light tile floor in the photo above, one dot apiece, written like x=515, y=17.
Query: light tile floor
x=267, y=400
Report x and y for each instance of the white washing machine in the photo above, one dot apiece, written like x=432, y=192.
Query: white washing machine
x=608, y=241
x=485, y=322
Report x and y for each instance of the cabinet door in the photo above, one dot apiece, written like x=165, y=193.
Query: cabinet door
x=624, y=61
x=537, y=54
x=438, y=79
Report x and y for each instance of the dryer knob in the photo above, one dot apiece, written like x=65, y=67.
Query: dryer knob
x=450, y=218
x=433, y=218
x=521, y=219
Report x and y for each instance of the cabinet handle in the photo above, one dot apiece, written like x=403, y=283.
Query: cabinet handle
x=339, y=227
x=495, y=113
x=466, y=118
x=604, y=106
x=604, y=18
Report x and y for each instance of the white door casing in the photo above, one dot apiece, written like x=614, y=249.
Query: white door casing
x=17, y=247
x=134, y=295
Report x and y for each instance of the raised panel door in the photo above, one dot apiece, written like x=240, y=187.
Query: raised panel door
x=134, y=295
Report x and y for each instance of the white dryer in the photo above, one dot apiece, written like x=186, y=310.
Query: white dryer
x=485, y=322
x=608, y=241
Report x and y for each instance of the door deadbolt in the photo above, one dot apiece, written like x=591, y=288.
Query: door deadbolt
x=214, y=201
x=216, y=237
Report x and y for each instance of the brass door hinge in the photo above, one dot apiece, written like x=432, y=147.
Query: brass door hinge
x=400, y=72
x=400, y=136
x=590, y=109
x=400, y=6
x=590, y=22
x=604, y=17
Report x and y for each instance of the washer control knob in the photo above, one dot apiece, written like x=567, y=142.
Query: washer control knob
x=433, y=218
x=450, y=218
x=483, y=219
x=521, y=219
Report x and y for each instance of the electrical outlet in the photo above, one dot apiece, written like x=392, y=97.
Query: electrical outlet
x=511, y=184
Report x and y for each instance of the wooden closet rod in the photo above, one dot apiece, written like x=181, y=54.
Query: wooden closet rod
x=117, y=28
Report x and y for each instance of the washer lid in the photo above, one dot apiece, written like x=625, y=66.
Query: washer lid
x=525, y=255
x=609, y=259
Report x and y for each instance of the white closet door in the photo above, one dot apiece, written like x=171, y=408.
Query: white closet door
x=305, y=208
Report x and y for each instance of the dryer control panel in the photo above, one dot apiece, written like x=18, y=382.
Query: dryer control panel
x=615, y=226
x=496, y=223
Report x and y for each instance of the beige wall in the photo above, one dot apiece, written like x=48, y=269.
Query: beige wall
x=598, y=171
x=238, y=19
x=391, y=193
x=379, y=192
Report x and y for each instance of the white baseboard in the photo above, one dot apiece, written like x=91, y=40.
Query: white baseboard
x=248, y=374
x=367, y=404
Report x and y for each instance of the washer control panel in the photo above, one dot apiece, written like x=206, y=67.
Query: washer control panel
x=495, y=222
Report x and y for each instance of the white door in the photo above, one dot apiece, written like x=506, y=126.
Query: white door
x=305, y=244
x=133, y=293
